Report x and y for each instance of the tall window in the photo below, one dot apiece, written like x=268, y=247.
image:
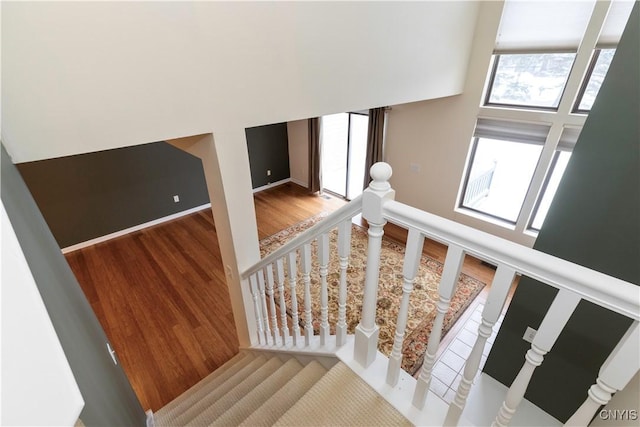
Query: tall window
x=591, y=86
x=529, y=80
x=344, y=145
x=550, y=61
x=504, y=156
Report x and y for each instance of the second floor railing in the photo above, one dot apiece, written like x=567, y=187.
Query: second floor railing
x=289, y=267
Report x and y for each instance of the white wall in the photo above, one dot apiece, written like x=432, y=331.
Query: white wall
x=435, y=136
x=38, y=387
x=86, y=76
x=298, y=134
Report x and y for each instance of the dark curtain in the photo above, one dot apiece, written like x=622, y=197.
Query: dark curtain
x=315, y=162
x=375, y=136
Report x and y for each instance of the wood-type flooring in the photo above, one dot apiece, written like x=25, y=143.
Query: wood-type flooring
x=160, y=293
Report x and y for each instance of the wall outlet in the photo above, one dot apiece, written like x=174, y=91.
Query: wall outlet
x=176, y=198
x=268, y=172
x=529, y=334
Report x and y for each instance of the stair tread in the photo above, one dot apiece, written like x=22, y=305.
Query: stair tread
x=244, y=407
x=216, y=407
x=201, y=388
x=197, y=406
x=342, y=398
x=273, y=408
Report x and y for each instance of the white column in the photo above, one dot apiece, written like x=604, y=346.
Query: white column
x=493, y=307
x=283, y=304
x=554, y=321
x=373, y=198
x=323, y=261
x=293, y=273
x=412, y=256
x=448, y=282
x=305, y=262
x=344, y=246
x=229, y=186
x=263, y=306
x=616, y=372
x=256, y=308
x=272, y=304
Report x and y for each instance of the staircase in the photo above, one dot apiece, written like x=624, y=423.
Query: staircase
x=269, y=385
x=255, y=389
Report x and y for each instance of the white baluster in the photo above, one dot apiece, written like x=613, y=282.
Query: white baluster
x=263, y=300
x=616, y=372
x=323, y=261
x=493, y=307
x=293, y=273
x=272, y=304
x=256, y=307
x=373, y=198
x=305, y=261
x=344, y=246
x=554, y=321
x=448, y=283
x=283, y=305
x=366, y=339
x=412, y=256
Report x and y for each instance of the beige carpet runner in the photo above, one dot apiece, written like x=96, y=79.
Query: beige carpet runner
x=254, y=390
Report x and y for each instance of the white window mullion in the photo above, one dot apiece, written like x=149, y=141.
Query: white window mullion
x=539, y=175
x=583, y=58
x=560, y=118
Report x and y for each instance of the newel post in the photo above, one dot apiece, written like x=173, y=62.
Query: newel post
x=373, y=198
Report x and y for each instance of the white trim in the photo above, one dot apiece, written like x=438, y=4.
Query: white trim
x=273, y=184
x=150, y=420
x=300, y=183
x=138, y=227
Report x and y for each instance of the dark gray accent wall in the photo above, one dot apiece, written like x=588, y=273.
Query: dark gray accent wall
x=109, y=398
x=268, y=150
x=594, y=221
x=91, y=195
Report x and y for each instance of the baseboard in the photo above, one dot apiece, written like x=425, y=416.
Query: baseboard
x=300, y=183
x=273, y=184
x=132, y=229
x=150, y=420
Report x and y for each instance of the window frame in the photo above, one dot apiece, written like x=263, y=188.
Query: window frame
x=495, y=61
x=543, y=190
x=559, y=118
x=467, y=175
x=587, y=79
x=348, y=147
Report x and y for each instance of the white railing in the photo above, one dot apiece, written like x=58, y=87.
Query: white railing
x=297, y=254
x=478, y=187
x=378, y=207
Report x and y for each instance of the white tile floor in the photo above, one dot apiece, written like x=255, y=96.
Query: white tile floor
x=447, y=371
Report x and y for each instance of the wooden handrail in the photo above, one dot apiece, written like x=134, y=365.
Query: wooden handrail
x=607, y=291
x=332, y=220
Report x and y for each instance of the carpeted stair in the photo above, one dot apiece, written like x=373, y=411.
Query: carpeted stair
x=257, y=390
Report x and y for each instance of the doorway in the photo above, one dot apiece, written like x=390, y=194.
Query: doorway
x=344, y=145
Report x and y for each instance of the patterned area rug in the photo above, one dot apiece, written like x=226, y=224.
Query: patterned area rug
x=422, y=304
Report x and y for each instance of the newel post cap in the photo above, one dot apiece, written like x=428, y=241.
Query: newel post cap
x=380, y=174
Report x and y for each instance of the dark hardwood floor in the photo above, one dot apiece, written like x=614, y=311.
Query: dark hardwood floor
x=160, y=293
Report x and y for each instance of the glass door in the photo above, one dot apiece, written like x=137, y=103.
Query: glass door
x=344, y=144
